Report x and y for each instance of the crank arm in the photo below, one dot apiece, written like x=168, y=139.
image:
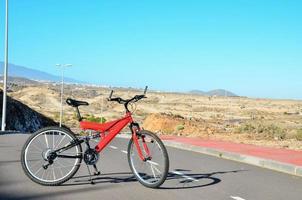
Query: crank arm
x=45, y=166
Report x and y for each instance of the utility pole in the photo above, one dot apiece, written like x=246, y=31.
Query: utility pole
x=3, y=124
x=62, y=88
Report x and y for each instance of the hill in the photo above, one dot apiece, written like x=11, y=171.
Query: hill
x=217, y=92
x=221, y=92
x=33, y=74
x=22, y=118
x=20, y=80
x=199, y=92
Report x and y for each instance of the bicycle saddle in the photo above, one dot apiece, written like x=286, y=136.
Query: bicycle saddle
x=76, y=103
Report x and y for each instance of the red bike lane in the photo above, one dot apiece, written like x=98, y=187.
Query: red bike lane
x=281, y=155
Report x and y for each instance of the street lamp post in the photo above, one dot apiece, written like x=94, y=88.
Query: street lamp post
x=62, y=88
x=3, y=124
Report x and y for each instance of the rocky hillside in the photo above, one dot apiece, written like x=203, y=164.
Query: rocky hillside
x=22, y=118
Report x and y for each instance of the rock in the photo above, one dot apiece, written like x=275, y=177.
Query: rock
x=22, y=118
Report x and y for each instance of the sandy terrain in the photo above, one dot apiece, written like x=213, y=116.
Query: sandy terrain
x=264, y=122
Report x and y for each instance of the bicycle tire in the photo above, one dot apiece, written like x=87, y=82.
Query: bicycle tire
x=165, y=161
x=25, y=150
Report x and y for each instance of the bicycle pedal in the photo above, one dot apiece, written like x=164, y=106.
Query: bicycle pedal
x=97, y=173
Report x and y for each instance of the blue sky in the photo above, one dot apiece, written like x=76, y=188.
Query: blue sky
x=251, y=47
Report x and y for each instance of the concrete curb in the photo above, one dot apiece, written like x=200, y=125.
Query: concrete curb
x=256, y=161
x=9, y=132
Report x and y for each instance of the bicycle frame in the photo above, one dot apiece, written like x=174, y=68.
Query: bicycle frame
x=113, y=128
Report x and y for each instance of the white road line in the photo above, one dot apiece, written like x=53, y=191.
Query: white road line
x=124, y=152
x=185, y=176
x=113, y=147
x=237, y=198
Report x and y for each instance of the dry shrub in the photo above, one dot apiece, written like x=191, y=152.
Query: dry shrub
x=262, y=130
x=299, y=135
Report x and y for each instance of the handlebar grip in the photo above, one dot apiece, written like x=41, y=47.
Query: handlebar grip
x=146, y=88
x=111, y=93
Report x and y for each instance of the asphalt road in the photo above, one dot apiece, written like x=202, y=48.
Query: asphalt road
x=192, y=176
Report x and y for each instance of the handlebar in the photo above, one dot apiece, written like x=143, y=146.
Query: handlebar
x=146, y=88
x=110, y=95
x=127, y=101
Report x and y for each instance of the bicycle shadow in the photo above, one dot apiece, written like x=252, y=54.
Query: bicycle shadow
x=121, y=177
x=187, y=180
x=182, y=180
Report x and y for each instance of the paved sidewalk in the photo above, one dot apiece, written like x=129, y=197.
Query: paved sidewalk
x=283, y=160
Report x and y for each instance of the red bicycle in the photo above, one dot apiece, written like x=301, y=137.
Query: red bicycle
x=53, y=155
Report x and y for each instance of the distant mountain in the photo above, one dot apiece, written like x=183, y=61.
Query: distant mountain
x=33, y=74
x=19, y=80
x=221, y=92
x=218, y=92
x=199, y=92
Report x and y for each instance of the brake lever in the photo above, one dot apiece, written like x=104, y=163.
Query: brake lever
x=139, y=97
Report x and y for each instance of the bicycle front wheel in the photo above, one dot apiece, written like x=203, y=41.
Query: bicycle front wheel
x=38, y=149
x=153, y=171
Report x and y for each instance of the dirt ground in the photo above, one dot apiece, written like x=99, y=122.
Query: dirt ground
x=265, y=122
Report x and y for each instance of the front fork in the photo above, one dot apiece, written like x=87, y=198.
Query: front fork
x=135, y=129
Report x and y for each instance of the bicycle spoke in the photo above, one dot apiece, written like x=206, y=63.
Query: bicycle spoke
x=152, y=163
x=38, y=162
x=153, y=172
x=63, y=167
x=38, y=170
x=43, y=174
x=40, y=144
x=60, y=168
x=157, y=145
x=60, y=141
x=34, y=160
x=35, y=152
x=53, y=172
x=65, y=145
x=53, y=140
x=156, y=169
x=152, y=150
x=46, y=140
x=37, y=148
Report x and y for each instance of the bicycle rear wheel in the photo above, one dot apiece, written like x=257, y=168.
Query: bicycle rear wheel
x=152, y=172
x=36, y=153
